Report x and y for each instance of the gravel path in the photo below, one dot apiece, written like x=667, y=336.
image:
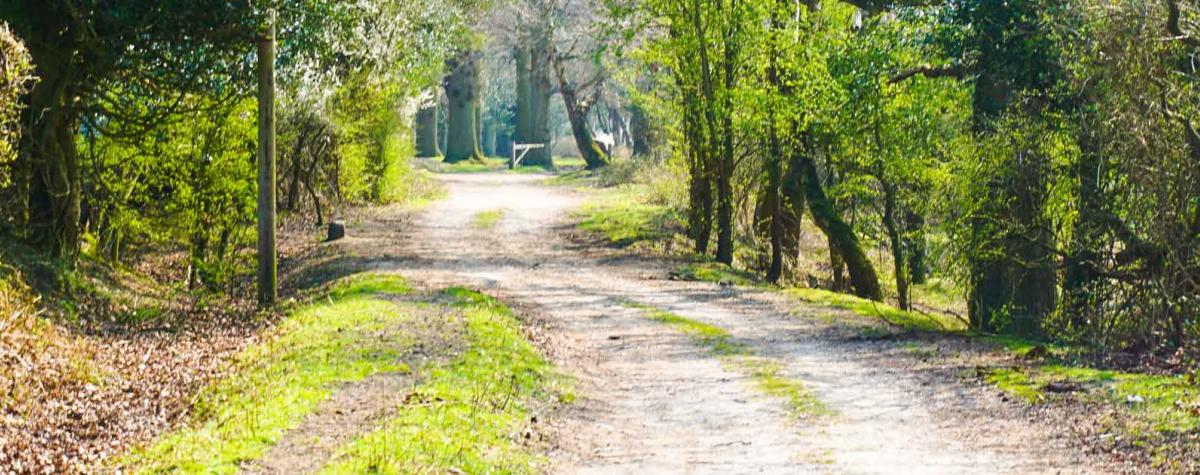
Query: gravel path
x=653, y=402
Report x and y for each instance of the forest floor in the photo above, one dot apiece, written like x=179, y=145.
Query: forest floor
x=694, y=377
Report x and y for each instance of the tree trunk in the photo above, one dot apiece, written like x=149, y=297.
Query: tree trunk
x=699, y=187
x=774, y=205
x=489, y=139
x=534, y=91
x=427, y=132
x=899, y=257
x=54, y=190
x=774, y=199
x=577, y=112
x=463, y=96
x=914, y=243
x=268, y=285
x=639, y=131
x=838, y=267
x=843, y=239
x=591, y=152
x=48, y=157
x=725, y=168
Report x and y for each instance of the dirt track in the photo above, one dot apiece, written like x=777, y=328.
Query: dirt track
x=653, y=402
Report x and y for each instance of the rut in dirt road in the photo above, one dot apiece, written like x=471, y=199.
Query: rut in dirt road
x=652, y=401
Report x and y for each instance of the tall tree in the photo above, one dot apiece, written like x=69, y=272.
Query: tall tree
x=462, y=86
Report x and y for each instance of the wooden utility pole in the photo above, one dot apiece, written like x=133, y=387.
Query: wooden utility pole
x=268, y=286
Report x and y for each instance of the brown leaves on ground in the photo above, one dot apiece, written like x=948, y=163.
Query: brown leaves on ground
x=74, y=395
x=94, y=396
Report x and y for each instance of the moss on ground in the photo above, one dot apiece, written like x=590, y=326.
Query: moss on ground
x=1159, y=413
x=469, y=415
x=1164, y=403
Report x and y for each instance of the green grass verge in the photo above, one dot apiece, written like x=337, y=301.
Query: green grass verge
x=277, y=383
x=1158, y=407
x=878, y=310
x=766, y=373
x=1168, y=403
x=470, y=414
x=624, y=219
x=488, y=219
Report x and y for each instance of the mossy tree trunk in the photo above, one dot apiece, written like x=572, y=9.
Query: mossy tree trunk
x=578, y=107
x=462, y=86
x=843, y=241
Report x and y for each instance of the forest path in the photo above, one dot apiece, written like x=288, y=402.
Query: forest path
x=651, y=401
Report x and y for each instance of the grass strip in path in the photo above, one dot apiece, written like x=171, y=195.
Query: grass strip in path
x=488, y=219
x=356, y=331
x=474, y=415
x=765, y=372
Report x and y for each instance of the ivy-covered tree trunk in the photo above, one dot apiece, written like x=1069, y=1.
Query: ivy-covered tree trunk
x=48, y=160
x=463, y=96
x=427, y=132
x=1013, y=281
